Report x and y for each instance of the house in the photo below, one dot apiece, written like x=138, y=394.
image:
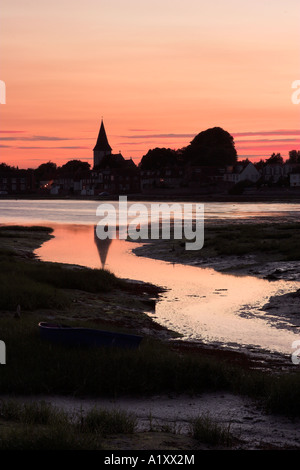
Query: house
x=116, y=175
x=242, y=171
x=290, y=168
x=165, y=177
x=199, y=175
x=273, y=172
x=295, y=177
x=15, y=181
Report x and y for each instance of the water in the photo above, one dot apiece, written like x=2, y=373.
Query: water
x=199, y=303
x=84, y=212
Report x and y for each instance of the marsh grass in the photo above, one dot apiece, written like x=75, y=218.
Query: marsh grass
x=23, y=239
x=208, y=430
x=20, y=229
x=40, y=425
x=284, y=395
x=32, y=413
x=18, y=289
x=34, y=366
x=47, y=438
x=282, y=240
x=34, y=285
x=104, y=422
x=278, y=241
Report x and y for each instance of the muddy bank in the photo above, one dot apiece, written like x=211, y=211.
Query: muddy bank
x=283, y=311
x=164, y=421
x=259, y=247
x=247, y=265
x=286, y=305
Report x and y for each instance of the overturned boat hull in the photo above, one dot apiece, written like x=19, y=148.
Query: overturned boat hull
x=88, y=337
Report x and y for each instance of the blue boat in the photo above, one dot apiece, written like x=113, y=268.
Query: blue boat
x=88, y=337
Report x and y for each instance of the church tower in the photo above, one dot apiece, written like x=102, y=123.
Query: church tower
x=102, y=147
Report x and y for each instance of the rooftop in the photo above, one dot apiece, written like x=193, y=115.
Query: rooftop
x=102, y=142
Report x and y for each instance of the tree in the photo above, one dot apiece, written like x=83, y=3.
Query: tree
x=275, y=158
x=46, y=171
x=74, y=166
x=159, y=158
x=294, y=156
x=213, y=147
x=259, y=165
x=5, y=167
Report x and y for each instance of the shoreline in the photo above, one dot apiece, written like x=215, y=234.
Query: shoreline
x=173, y=410
x=286, y=195
x=248, y=266
x=137, y=314
x=282, y=307
x=259, y=260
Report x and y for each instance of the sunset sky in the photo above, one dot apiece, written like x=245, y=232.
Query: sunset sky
x=158, y=71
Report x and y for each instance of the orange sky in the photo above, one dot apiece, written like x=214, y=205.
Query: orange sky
x=158, y=71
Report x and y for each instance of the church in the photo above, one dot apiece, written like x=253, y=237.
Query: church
x=112, y=172
x=102, y=147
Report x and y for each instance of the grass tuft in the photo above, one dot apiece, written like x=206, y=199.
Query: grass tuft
x=40, y=426
x=106, y=422
x=207, y=430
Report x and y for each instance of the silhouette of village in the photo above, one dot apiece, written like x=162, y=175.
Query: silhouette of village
x=209, y=165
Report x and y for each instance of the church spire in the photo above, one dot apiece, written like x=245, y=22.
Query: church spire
x=102, y=147
x=102, y=144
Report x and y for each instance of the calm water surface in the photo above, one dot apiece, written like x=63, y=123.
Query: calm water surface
x=200, y=303
x=84, y=212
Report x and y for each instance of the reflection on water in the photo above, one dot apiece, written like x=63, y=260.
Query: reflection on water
x=200, y=303
x=84, y=212
x=102, y=247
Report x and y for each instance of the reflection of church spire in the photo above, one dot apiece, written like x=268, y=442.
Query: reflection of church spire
x=102, y=247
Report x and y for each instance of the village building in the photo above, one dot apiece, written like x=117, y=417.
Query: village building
x=273, y=172
x=295, y=177
x=112, y=173
x=242, y=171
x=15, y=181
x=201, y=175
x=166, y=177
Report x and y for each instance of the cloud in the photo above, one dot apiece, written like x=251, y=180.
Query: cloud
x=158, y=136
x=133, y=143
x=268, y=148
x=71, y=147
x=35, y=138
x=274, y=132
x=254, y=141
x=11, y=132
x=142, y=130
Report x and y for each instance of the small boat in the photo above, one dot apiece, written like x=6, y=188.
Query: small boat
x=89, y=337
